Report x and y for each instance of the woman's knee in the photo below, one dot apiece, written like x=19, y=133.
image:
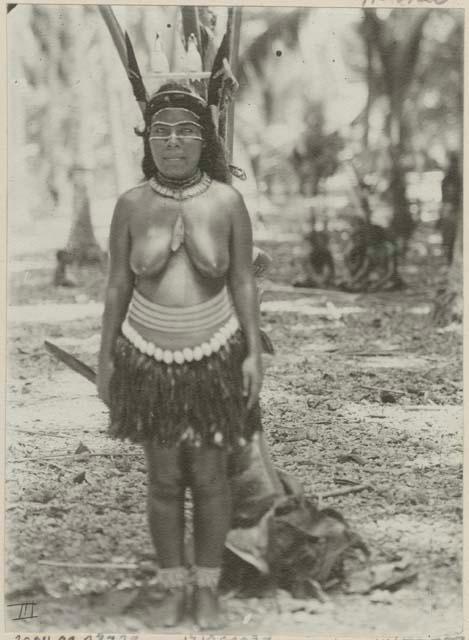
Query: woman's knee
x=208, y=472
x=165, y=472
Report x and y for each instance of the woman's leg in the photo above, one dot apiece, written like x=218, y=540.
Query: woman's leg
x=166, y=518
x=212, y=503
x=166, y=503
x=212, y=519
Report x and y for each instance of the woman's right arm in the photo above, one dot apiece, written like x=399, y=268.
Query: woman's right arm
x=118, y=293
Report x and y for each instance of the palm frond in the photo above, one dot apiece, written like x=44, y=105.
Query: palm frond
x=133, y=72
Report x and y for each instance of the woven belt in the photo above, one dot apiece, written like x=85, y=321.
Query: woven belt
x=200, y=317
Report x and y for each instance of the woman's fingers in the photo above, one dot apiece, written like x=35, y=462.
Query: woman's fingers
x=246, y=382
x=254, y=391
x=252, y=380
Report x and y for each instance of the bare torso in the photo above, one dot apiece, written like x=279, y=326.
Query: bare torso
x=184, y=275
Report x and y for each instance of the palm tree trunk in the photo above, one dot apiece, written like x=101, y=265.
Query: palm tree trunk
x=398, y=61
x=449, y=302
x=56, y=178
x=123, y=170
x=82, y=247
x=401, y=223
x=234, y=58
x=18, y=194
x=369, y=97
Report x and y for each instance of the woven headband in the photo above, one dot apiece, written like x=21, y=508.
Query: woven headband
x=177, y=100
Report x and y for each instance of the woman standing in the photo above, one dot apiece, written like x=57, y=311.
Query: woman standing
x=180, y=359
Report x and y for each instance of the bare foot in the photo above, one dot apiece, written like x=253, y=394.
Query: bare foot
x=170, y=610
x=207, y=612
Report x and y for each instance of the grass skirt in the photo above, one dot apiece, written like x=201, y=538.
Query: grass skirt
x=200, y=402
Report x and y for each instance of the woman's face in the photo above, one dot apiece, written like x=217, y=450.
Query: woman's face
x=176, y=142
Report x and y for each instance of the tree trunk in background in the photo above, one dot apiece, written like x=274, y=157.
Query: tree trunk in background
x=82, y=247
x=18, y=194
x=235, y=25
x=449, y=302
x=56, y=176
x=121, y=154
x=369, y=97
x=44, y=61
x=401, y=222
x=398, y=49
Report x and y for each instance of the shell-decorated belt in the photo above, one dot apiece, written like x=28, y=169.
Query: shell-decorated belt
x=188, y=354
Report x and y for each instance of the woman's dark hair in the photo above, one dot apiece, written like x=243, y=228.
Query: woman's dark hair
x=213, y=158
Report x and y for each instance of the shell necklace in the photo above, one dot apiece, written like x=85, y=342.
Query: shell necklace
x=180, y=190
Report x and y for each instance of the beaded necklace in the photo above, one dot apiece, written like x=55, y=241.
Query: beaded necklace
x=181, y=189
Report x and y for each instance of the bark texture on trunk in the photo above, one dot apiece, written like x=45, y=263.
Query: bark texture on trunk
x=82, y=246
x=448, y=306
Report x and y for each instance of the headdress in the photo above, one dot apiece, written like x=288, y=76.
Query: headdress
x=221, y=87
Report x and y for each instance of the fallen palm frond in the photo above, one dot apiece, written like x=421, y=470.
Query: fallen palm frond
x=294, y=546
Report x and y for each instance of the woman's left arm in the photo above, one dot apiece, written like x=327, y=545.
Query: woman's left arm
x=244, y=293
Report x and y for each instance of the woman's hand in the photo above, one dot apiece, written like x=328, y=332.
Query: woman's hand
x=252, y=379
x=105, y=372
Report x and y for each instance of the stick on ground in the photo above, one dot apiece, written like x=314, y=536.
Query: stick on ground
x=67, y=454
x=88, y=565
x=343, y=492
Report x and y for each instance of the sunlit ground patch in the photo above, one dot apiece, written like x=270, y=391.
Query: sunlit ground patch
x=53, y=312
x=391, y=362
x=442, y=419
x=307, y=307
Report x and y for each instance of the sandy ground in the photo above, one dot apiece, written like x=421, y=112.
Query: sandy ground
x=362, y=374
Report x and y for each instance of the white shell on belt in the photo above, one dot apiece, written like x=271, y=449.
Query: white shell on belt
x=188, y=354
